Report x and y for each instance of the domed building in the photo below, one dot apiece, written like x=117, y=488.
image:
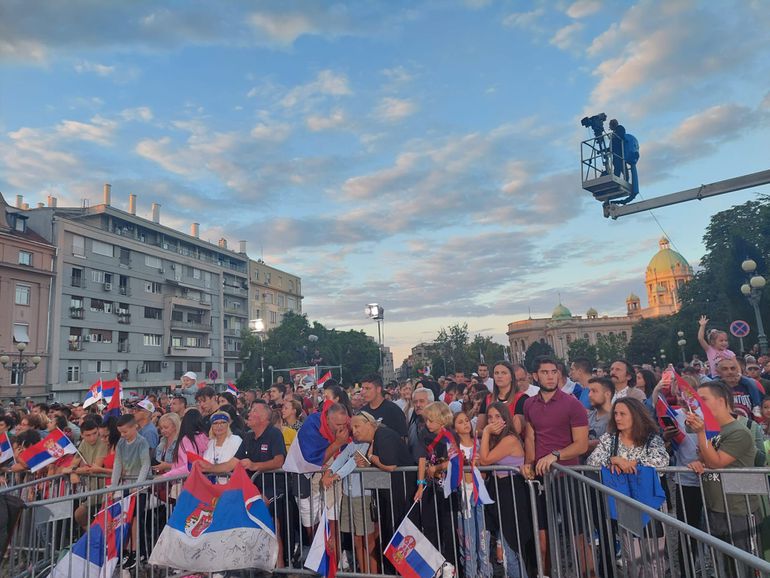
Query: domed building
x=666, y=273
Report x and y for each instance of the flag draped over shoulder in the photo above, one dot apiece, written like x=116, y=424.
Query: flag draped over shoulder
x=307, y=454
x=216, y=527
x=412, y=554
x=97, y=552
x=455, y=469
x=53, y=447
x=322, y=558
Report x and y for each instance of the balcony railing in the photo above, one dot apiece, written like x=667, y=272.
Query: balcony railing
x=191, y=326
x=77, y=312
x=189, y=351
x=124, y=348
x=232, y=353
x=124, y=318
x=75, y=346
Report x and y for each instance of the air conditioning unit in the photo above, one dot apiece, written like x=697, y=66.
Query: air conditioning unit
x=108, y=286
x=86, y=338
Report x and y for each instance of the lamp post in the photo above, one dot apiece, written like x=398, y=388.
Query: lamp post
x=752, y=290
x=257, y=326
x=377, y=312
x=681, y=343
x=21, y=367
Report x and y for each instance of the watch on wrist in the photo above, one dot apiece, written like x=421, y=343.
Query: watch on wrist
x=556, y=454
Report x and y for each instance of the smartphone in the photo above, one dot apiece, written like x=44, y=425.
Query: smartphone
x=668, y=421
x=358, y=453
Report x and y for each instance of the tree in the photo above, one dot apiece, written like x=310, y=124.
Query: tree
x=648, y=337
x=582, y=348
x=537, y=349
x=610, y=347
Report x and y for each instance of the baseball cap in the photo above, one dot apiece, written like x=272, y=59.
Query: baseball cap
x=191, y=375
x=146, y=405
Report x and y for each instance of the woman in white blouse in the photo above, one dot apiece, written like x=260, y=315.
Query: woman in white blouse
x=222, y=442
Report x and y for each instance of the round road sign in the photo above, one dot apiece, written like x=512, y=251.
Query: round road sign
x=739, y=328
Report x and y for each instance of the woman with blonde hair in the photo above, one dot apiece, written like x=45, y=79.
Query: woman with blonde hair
x=223, y=443
x=168, y=424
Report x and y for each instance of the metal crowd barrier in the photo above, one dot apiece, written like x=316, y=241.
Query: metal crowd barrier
x=366, y=507
x=584, y=540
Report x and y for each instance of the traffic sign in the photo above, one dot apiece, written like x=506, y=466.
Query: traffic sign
x=739, y=328
x=213, y=374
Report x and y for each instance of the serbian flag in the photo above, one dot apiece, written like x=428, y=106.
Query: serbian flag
x=192, y=457
x=94, y=394
x=232, y=389
x=229, y=522
x=314, y=438
x=113, y=408
x=412, y=554
x=97, y=552
x=696, y=405
x=324, y=378
x=53, y=447
x=6, y=450
x=109, y=388
x=454, y=476
x=322, y=558
x=662, y=409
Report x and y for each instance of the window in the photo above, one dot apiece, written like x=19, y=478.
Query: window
x=76, y=302
x=152, y=340
x=267, y=277
x=97, y=276
x=177, y=315
x=101, y=306
x=291, y=303
x=78, y=246
x=152, y=287
x=196, y=273
x=195, y=366
x=273, y=317
x=192, y=341
x=123, y=309
x=153, y=313
x=73, y=373
x=178, y=369
x=238, y=368
x=268, y=297
x=102, y=248
x=20, y=224
x=257, y=314
x=100, y=336
x=99, y=367
x=291, y=285
x=23, y=293
x=20, y=333
x=17, y=375
x=77, y=277
x=25, y=258
x=153, y=262
x=176, y=341
x=152, y=366
x=280, y=300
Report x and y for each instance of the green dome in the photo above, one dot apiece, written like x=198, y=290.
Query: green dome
x=667, y=261
x=592, y=312
x=632, y=297
x=561, y=312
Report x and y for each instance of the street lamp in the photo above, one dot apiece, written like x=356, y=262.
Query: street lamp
x=257, y=326
x=377, y=312
x=752, y=290
x=681, y=343
x=20, y=367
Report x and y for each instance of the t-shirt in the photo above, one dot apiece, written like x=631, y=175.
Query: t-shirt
x=736, y=440
x=518, y=405
x=91, y=453
x=714, y=355
x=553, y=422
x=597, y=424
x=391, y=416
x=150, y=433
x=390, y=448
x=263, y=449
x=746, y=397
x=632, y=392
x=132, y=461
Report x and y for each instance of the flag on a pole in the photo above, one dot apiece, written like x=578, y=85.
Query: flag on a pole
x=662, y=411
x=113, y=408
x=695, y=404
x=229, y=522
x=322, y=558
x=97, y=552
x=53, y=447
x=324, y=378
x=109, y=388
x=231, y=388
x=412, y=554
x=6, y=450
x=94, y=394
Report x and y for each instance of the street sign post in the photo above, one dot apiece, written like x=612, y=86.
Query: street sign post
x=740, y=329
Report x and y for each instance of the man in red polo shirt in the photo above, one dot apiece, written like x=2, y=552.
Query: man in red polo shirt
x=557, y=431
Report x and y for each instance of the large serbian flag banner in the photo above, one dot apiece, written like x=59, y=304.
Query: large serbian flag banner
x=215, y=528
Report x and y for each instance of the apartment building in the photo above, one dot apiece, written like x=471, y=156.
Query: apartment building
x=26, y=276
x=272, y=293
x=139, y=300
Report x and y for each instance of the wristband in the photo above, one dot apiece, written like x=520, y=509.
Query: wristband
x=422, y=483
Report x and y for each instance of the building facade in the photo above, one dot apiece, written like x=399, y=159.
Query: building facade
x=26, y=277
x=135, y=299
x=272, y=293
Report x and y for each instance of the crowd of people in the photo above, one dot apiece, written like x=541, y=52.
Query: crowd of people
x=502, y=414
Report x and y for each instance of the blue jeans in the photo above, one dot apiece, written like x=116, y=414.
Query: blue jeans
x=513, y=562
x=474, y=542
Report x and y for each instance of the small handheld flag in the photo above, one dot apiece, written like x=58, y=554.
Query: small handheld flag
x=6, y=450
x=324, y=378
x=231, y=388
x=94, y=394
x=322, y=558
x=55, y=446
x=411, y=554
x=695, y=404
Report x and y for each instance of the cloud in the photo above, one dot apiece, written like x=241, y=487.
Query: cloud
x=523, y=19
x=139, y=113
x=271, y=131
x=565, y=38
x=398, y=74
x=94, y=67
x=335, y=119
x=392, y=109
x=583, y=8
x=326, y=83
x=283, y=28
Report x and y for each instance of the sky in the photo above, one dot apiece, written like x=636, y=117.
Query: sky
x=421, y=155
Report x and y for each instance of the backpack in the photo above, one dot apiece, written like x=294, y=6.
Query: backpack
x=631, y=148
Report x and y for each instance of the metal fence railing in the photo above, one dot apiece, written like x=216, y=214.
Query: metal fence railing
x=501, y=538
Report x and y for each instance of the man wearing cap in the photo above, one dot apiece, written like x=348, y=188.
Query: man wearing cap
x=143, y=411
x=188, y=387
x=754, y=371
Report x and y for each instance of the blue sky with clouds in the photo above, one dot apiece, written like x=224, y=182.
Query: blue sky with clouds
x=422, y=155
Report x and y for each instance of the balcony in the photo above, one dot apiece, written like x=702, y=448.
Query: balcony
x=77, y=312
x=233, y=332
x=189, y=352
x=123, y=290
x=239, y=291
x=190, y=303
x=239, y=311
x=232, y=353
x=77, y=282
x=75, y=346
x=189, y=326
x=124, y=318
x=124, y=347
